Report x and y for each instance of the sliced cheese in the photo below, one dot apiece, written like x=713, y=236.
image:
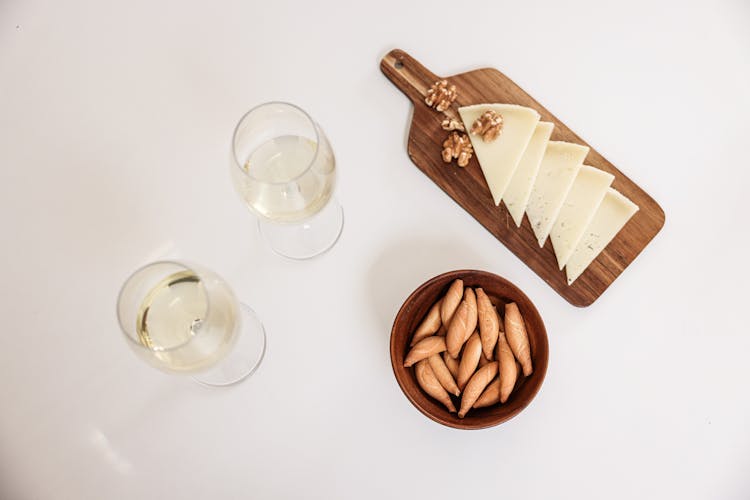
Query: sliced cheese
x=585, y=196
x=517, y=193
x=614, y=211
x=558, y=170
x=499, y=158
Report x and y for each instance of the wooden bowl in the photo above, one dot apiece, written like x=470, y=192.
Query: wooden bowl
x=499, y=290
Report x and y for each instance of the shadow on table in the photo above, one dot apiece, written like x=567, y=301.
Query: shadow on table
x=405, y=265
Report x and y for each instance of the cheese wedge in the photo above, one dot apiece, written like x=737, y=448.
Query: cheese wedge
x=499, y=158
x=577, y=210
x=517, y=193
x=614, y=211
x=558, y=170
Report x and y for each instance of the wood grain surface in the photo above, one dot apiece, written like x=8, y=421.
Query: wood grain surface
x=468, y=188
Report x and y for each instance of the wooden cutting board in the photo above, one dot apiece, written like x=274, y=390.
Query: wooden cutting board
x=468, y=188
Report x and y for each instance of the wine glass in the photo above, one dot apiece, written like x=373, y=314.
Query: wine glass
x=182, y=318
x=284, y=169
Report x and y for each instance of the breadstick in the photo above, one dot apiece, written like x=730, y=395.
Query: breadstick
x=515, y=331
x=508, y=368
x=451, y=363
x=429, y=383
x=489, y=323
x=457, y=330
x=443, y=374
x=490, y=396
x=430, y=324
x=450, y=301
x=476, y=385
x=424, y=349
x=469, y=360
x=471, y=321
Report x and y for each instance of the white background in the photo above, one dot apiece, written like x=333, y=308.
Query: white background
x=115, y=122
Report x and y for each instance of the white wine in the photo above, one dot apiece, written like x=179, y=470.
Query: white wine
x=172, y=312
x=288, y=178
x=178, y=328
x=281, y=159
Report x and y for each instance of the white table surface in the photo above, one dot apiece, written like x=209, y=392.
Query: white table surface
x=115, y=122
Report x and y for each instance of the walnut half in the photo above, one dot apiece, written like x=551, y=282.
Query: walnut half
x=488, y=125
x=452, y=124
x=440, y=96
x=457, y=146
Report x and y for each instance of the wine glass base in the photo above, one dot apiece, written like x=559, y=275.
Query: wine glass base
x=307, y=239
x=245, y=356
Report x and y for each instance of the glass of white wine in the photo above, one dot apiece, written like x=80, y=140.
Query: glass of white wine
x=182, y=318
x=284, y=169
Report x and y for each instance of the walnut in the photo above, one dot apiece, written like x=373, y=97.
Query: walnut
x=440, y=96
x=489, y=125
x=457, y=146
x=452, y=124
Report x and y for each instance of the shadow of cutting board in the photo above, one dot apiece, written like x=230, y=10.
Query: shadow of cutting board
x=468, y=188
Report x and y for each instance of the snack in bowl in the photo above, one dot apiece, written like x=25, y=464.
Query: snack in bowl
x=430, y=384
x=489, y=323
x=481, y=381
x=508, y=368
x=469, y=363
x=475, y=353
x=424, y=349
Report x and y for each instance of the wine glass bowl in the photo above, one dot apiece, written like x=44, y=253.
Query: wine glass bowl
x=182, y=318
x=284, y=169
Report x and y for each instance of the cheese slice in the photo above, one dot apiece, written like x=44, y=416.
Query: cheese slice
x=499, y=158
x=577, y=210
x=558, y=170
x=517, y=193
x=613, y=212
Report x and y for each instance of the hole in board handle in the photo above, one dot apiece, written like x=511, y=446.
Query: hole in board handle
x=398, y=65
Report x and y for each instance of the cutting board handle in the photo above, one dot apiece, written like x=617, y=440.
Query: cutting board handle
x=407, y=74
